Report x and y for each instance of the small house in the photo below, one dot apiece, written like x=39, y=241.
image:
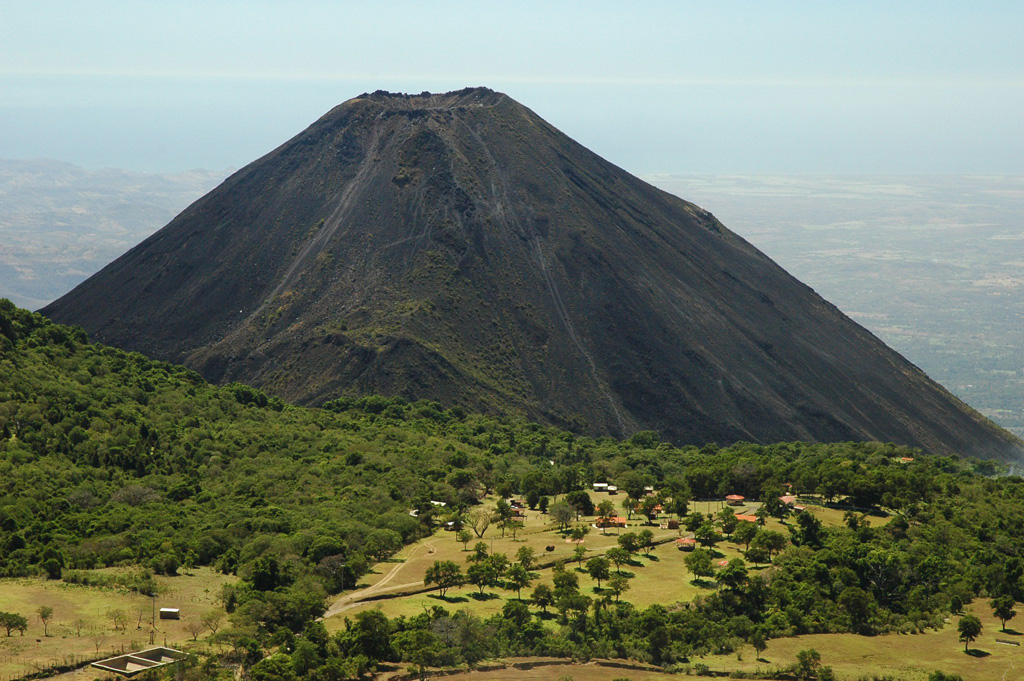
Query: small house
x=612, y=490
x=600, y=486
x=734, y=499
x=611, y=521
x=788, y=499
x=686, y=543
x=170, y=614
x=746, y=517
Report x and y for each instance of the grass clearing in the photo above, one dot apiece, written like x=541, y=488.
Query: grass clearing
x=81, y=628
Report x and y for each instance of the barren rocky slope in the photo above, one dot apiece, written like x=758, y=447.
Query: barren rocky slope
x=457, y=247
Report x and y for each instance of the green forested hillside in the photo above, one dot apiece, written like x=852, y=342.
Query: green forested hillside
x=109, y=458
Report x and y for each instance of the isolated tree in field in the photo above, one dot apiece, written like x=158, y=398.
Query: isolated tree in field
x=618, y=584
x=194, y=627
x=646, y=538
x=579, y=532
x=598, y=569
x=543, y=597
x=700, y=564
x=518, y=577
x=445, y=574
x=514, y=526
x=619, y=556
x=581, y=502
x=706, y=534
x=45, y=613
x=1003, y=607
x=808, y=662
x=478, y=554
x=481, y=575
x=579, y=553
x=464, y=536
x=629, y=542
x=562, y=513
x=526, y=557
x=479, y=520
x=78, y=624
x=12, y=621
x=969, y=628
x=212, y=619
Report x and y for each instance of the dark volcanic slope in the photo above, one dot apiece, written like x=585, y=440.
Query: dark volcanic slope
x=459, y=248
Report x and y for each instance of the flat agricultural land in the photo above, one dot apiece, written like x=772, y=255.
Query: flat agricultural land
x=81, y=627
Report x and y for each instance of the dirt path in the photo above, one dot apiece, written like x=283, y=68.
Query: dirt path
x=355, y=598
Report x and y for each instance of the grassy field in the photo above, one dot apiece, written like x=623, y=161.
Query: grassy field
x=81, y=627
x=663, y=578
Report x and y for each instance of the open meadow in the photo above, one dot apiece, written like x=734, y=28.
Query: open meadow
x=82, y=626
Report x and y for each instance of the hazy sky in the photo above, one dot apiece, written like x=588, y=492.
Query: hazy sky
x=657, y=87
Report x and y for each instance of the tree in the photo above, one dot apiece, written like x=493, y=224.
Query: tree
x=382, y=544
x=518, y=578
x=770, y=540
x=629, y=542
x=543, y=597
x=706, y=534
x=618, y=555
x=479, y=553
x=646, y=539
x=45, y=613
x=969, y=628
x=194, y=627
x=578, y=533
x=700, y=564
x=464, y=536
x=445, y=574
x=525, y=556
x=480, y=520
x=859, y=605
x=580, y=501
x=514, y=526
x=420, y=647
x=733, y=575
x=727, y=521
x=605, y=510
x=618, y=584
x=1002, y=607
x=579, y=553
x=807, y=664
x=12, y=621
x=119, y=618
x=212, y=619
x=759, y=641
x=562, y=513
x=649, y=508
x=743, y=533
x=598, y=569
x=482, y=575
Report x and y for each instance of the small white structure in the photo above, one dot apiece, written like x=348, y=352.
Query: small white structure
x=438, y=503
x=612, y=489
x=170, y=614
x=600, y=486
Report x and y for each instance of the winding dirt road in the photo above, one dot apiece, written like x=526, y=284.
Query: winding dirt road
x=351, y=600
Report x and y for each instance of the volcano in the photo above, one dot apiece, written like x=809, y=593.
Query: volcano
x=456, y=247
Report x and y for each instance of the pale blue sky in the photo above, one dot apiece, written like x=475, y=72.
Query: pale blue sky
x=657, y=87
